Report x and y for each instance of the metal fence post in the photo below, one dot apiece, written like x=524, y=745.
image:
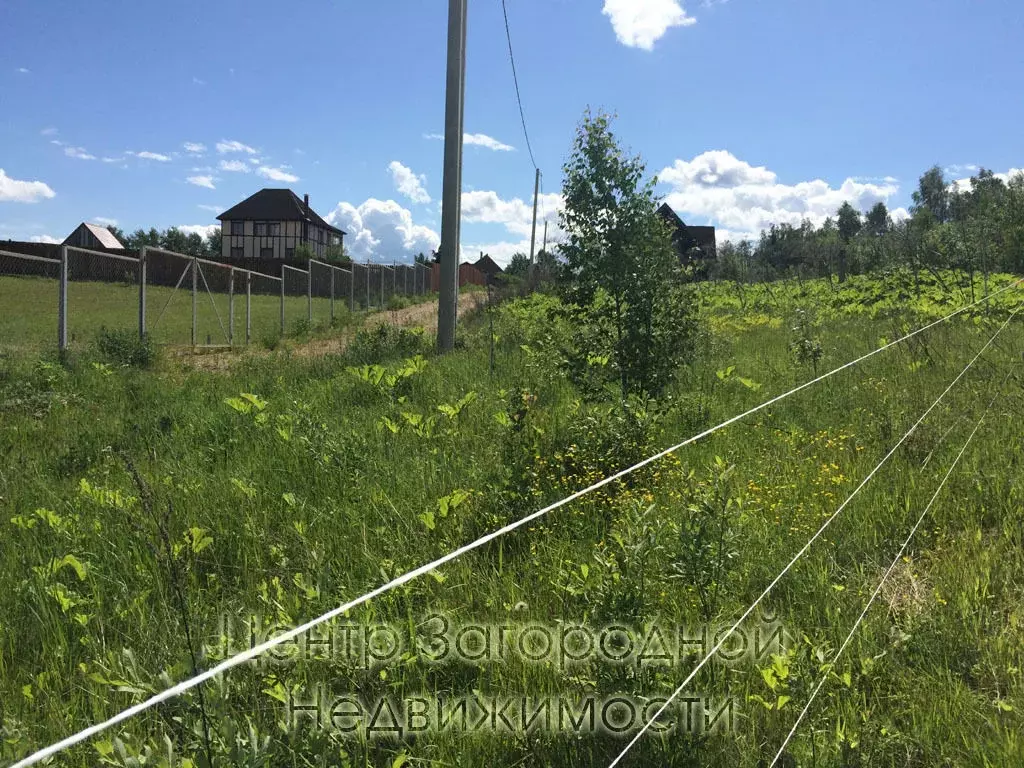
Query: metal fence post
x=283, y=272
x=248, y=307
x=62, y=301
x=142, y=293
x=195, y=296
x=332, y=295
x=309, y=293
x=383, y=270
x=352, y=288
x=231, y=307
x=367, y=286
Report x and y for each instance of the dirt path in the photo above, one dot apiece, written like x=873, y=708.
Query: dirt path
x=417, y=316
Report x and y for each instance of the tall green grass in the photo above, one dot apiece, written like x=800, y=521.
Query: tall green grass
x=138, y=503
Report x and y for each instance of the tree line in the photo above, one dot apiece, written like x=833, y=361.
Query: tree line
x=171, y=239
x=977, y=226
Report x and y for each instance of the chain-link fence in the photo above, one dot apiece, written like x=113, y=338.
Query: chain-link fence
x=264, y=302
x=102, y=294
x=168, y=298
x=330, y=291
x=29, y=299
x=180, y=300
x=296, y=302
x=214, y=304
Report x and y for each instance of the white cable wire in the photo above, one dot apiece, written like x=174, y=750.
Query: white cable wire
x=257, y=650
x=806, y=546
x=831, y=665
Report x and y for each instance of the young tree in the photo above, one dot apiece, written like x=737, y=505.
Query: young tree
x=214, y=243
x=933, y=194
x=620, y=259
x=519, y=265
x=849, y=223
x=877, y=221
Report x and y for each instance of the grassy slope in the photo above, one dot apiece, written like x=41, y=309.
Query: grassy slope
x=29, y=319
x=322, y=502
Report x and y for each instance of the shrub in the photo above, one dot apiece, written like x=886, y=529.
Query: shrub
x=386, y=342
x=397, y=302
x=125, y=347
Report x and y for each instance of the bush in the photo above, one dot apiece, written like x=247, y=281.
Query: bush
x=125, y=347
x=271, y=340
x=386, y=342
x=397, y=302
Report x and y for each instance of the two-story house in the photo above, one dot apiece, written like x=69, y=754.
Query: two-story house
x=272, y=224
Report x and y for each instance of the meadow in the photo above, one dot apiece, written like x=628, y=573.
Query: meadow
x=154, y=520
x=28, y=323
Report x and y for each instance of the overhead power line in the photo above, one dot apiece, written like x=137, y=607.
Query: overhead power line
x=515, y=78
x=284, y=637
x=721, y=642
x=899, y=555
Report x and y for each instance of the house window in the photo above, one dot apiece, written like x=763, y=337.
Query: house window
x=237, y=227
x=238, y=253
x=314, y=235
x=260, y=229
x=289, y=253
x=274, y=229
x=266, y=253
x=335, y=240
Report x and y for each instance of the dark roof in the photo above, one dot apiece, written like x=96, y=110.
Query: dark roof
x=274, y=205
x=686, y=237
x=488, y=266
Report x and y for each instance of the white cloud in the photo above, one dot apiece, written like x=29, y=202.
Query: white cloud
x=194, y=147
x=277, y=174
x=106, y=222
x=485, y=141
x=22, y=70
x=502, y=252
x=743, y=200
x=234, y=166
x=14, y=191
x=254, y=160
x=205, y=230
x=408, y=183
x=212, y=208
x=965, y=185
x=48, y=132
x=151, y=156
x=48, y=239
x=78, y=153
x=641, y=23
x=197, y=81
x=112, y=159
x=202, y=181
x=382, y=230
x=477, y=140
x=224, y=146
x=515, y=215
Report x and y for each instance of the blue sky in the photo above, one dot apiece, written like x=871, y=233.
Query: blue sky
x=750, y=111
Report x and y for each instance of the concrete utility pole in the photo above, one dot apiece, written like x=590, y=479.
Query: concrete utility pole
x=451, y=205
x=533, y=234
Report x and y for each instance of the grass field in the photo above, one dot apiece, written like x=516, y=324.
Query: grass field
x=28, y=321
x=148, y=514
